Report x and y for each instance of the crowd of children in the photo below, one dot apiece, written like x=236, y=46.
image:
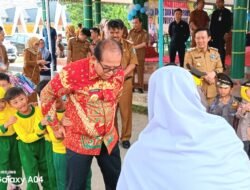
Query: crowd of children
x=27, y=143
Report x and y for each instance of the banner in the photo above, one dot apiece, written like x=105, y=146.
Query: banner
x=168, y=12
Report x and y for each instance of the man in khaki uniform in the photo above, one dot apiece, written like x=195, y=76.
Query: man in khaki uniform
x=198, y=19
x=4, y=61
x=205, y=59
x=128, y=63
x=79, y=47
x=139, y=37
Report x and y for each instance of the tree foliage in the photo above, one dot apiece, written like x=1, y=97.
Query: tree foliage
x=108, y=11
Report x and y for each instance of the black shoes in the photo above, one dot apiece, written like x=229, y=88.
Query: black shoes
x=140, y=90
x=125, y=144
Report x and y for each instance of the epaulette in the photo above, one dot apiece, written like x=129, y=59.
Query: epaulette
x=212, y=48
x=191, y=49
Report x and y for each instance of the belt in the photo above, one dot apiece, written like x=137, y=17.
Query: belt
x=127, y=78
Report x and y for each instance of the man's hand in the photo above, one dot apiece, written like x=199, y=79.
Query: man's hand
x=66, y=122
x=210, y=77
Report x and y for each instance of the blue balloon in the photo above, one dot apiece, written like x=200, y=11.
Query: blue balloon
x=142, y=10
x=137, y=7
x=133, y=12
x=130, y=17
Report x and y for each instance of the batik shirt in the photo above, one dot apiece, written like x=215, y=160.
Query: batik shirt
x=91, y=104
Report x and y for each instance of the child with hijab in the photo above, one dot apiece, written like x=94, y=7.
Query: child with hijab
x=183, y=146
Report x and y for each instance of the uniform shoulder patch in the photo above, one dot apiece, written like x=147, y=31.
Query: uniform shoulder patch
x=191, y=49
x=212, y=48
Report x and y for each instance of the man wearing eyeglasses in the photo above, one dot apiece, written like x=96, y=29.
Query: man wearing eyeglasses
x=92, y=87
x=129, y=61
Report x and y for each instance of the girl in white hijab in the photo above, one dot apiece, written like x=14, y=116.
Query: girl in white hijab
x=183, y=146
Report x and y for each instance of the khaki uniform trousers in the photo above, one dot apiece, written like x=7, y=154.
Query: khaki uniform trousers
x=139, y=69
x=125, y=106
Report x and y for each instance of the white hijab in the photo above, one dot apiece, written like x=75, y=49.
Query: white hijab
x=183, y=147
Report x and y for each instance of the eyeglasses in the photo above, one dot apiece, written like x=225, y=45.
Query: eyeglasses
x=107, y=69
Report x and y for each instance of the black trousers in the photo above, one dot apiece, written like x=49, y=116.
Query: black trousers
x=220, y=45
x=78, y=167
x=247, y=147
x=180, y=48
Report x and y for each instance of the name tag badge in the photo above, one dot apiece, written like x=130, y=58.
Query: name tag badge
x=220, y=18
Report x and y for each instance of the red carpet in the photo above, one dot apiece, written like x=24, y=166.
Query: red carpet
x=166, y=59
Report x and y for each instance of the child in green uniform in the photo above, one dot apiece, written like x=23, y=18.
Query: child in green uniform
x=58, y=152
x=10, y=164
x=30, y=144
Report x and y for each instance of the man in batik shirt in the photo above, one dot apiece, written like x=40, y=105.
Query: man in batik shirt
x=92, y=87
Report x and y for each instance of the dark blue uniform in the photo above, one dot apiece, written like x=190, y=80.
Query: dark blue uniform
x=179, y=33
x=221, y=23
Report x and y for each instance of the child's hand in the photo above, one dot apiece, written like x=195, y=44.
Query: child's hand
x=11, y=121
x=44, y=121
x=66, y=122
x=60, y=134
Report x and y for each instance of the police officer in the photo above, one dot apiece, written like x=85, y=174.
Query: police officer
x=139, y=37
x=128, y=63
x=179, y=33
x=221, y=23
x=224, y=104
x=205, y=59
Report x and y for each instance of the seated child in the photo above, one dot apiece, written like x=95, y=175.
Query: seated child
x=224, y=104
x=30, y=144
x=243, y=113
x=10, y=163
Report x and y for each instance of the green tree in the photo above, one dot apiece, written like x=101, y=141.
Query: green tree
x=109, y=11
x=75, y=11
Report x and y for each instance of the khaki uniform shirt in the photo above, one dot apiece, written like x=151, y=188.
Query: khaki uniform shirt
x=3, y=55
x=206, y=62
x=138, y=37
x=79, y=49
x=128, y=56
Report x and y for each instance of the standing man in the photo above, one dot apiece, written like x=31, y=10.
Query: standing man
x=4, y=61
x=198, y=19
x=139, y=37
x=221, y=23
x=95, y=37
x=53, y=36
x=179, y=33
x=79, y=46
x=129, y=61
x=205, y=59
x=92, y=87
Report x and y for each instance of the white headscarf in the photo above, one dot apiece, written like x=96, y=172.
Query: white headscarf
x=183, y=147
